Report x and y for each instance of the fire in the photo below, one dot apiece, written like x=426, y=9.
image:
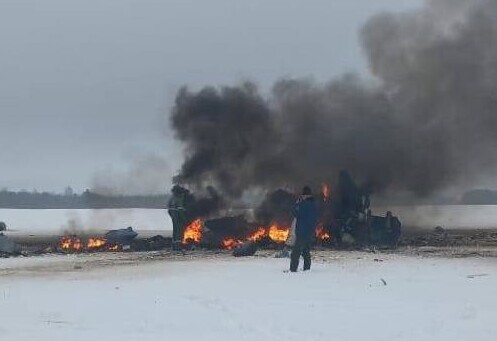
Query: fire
x=278, y=234
x=114, y=248
x=326, y=192
x=96, y=243
x=257, y=235
x=70, y=244
x=75, y=244
x=65, y=243
x=193, y=232
x=321, y=234
x=230, y=243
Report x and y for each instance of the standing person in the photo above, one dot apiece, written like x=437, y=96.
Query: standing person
x=393, y=227
x=178, y=213
x=306, y=214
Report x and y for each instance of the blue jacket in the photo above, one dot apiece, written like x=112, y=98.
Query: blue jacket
x=306, y=213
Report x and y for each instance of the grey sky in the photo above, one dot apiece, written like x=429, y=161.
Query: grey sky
x=85, y=85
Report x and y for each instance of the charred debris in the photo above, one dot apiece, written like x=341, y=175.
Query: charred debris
x=345, y=220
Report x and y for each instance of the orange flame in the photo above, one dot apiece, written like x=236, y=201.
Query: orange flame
x=230, y=243
x=257, y=235
x=114, y=248
x=278, y=234
x=193, y=232
x=321, y=234
x=96, y=243
x=325, y=190
x=75, y=244
x=70, y=244
x=65, y=243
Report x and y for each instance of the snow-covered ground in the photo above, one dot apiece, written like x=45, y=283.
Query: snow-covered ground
x=349, y=296
x=60, y=221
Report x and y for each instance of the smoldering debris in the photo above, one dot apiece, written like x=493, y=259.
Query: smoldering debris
x=7, y=246
x=246, y=249
x=122, y=236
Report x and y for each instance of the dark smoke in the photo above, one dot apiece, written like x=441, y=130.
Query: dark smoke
x=428, y=121
x=199, y=205
x=276, y=208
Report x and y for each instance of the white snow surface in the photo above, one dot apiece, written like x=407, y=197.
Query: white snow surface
x=252, y=299
x=61, y=221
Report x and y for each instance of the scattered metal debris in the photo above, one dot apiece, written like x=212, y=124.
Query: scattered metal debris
x=476, y=275
x=246, y=249
x=121, y=236
x=7, y=246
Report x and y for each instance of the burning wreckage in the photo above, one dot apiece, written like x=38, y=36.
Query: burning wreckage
x=114, y=240
x=345, y=221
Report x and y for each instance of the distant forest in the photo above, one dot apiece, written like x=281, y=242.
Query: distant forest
x=480, y=197
x=70, y=200
x=88, y=199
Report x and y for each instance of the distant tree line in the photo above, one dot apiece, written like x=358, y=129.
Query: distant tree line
x=479, y=197
x=89, y=199
x=69, y=200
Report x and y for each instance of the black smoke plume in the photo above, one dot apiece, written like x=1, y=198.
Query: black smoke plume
x=427, y=120
x=276, y=208
x=199, y=205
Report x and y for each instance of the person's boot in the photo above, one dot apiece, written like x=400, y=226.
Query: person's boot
x=307, y=264
x=294, y=260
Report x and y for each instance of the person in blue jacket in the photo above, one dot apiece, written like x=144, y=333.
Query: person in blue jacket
x=306, y=215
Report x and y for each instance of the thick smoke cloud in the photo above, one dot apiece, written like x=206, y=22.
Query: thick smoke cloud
x=427, y=121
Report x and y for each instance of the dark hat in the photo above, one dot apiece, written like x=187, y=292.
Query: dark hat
x=306, y=190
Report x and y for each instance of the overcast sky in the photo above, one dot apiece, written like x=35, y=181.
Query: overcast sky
x=85, y=85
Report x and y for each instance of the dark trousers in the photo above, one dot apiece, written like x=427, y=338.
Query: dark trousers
x=179, y=223
x=301, y=248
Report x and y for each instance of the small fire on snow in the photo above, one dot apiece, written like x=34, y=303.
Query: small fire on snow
x=70, y=244
x=96, y=243
x=75, y=244
x=257, y=235
x=115, y=248
x=278, y=234
x=193, y=232
x=230, y=243
x=322, y=234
